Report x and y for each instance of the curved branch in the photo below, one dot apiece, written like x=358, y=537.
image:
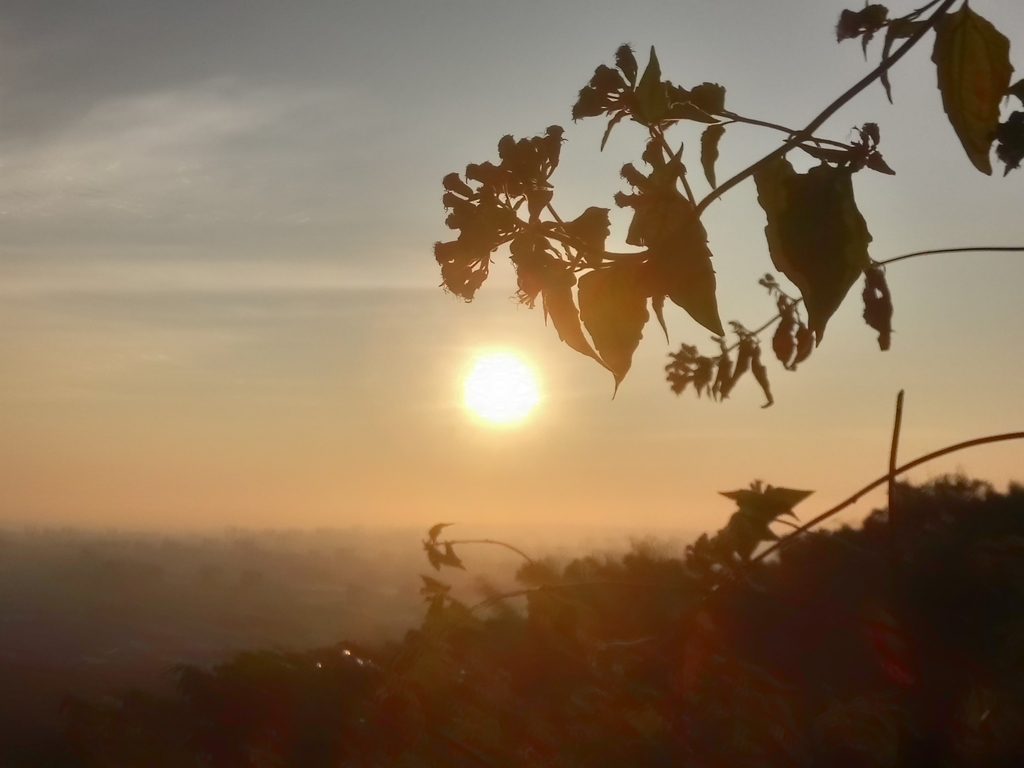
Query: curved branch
x=495, y=542
x=894, y=260
x=987, y=248
x=884, y=479
x=830, y=110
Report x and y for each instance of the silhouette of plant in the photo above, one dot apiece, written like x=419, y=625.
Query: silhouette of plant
x=815, y=232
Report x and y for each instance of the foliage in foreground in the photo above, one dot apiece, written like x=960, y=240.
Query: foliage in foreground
x=865, y=647
x=600, y=301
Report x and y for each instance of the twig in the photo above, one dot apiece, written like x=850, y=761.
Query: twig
x=884, y=479
x=495, y=542
x=892, y=467
x=830, y=110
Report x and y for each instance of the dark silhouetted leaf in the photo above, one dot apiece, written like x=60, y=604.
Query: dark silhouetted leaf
x=451, y=559
x=784, y=338
x=435, y=531
x=816, y=235
x=972, y=59
x=1010, y=142
x=743, y=357
x=875, y=162
x=613, y=308
x=1017, y=89
x=658, y=305
x=626, y=61
x=878, y=304
x=591, y=228
x=708, y=98
x=680, y=263
x=709, y=151
x=616, y=118
x=652, y=100
x=898, y=29
x=561, y=308
x=761, y=374
x=759, y=507
x=723, y=373
x=804, y=345
x=863, y=23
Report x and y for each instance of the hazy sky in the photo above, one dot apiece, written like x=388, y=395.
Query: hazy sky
x=218, y=303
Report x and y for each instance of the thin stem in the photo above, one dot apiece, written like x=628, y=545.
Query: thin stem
x=496, y=543
x=830, y=110
x=776, y=127
x=672, y=156
x=993, y=248
x=894, y=260
x=893, y=449
x=884, y=479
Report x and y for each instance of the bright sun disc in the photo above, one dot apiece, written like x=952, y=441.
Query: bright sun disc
x=501, y=388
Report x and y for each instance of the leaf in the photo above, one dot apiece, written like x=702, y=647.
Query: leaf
x=761, y=375
x=626, y=61
x=743, y=356
x=451, y=559
x=1010, y=138
x=650, y=92
x=681, y=269
x=898, y=29
x=816, y=235
x=680, y=263
x=613, y=308
x=708, y=98
x=972, y=59
x=784, y=339
x=658, y=305
x=767, y=503
x=875, y=162
x=804, y=345
x=1017, y=89
x=709, y=151
x=435, y=531
x=591, y=228
x=878, y=305
x=866, y=22
x=560, y=307
x=616, y=118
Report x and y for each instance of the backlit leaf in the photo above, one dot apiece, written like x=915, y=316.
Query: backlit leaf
x=561, y=308
x=898, y=29
x=816, y=235
x=613, y=308
x=709, y=151
x=761, y=375
x=658, y=305
x=972, y=59
x=878, y=305
x=626, y=61
x=650, y=91
x=1010, y=142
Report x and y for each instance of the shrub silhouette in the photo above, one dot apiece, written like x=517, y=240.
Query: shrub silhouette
x=847, y=648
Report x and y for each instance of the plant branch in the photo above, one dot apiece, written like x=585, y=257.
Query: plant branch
x=993, y=248
x=775, y=127
x=884, y=479
x=894, y=260
x=830, y=110
x=494, y=542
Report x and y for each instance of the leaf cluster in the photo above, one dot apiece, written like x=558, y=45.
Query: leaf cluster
x=600, y=302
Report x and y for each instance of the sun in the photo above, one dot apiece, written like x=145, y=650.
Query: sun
x=501, y=388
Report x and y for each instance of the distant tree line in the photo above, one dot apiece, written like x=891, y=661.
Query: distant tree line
x=853, y=647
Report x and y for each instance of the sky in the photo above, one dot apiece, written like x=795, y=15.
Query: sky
x=219, y=305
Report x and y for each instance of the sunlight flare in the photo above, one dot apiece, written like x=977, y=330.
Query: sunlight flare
x=501, y=388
